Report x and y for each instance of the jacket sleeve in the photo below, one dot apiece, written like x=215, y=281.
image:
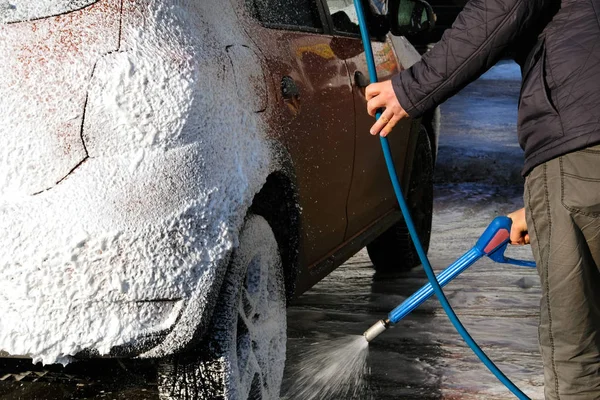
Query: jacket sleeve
x=478, y=38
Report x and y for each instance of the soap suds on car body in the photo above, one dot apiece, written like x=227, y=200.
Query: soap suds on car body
x=175, y=159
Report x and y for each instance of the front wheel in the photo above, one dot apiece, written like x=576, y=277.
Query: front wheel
x=393, y=250
x=244, y=354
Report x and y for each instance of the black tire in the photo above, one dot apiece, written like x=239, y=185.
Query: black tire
x=244, y=354
x=393, y=251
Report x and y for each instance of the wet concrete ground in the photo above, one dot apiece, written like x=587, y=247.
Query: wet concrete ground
x=422, y=357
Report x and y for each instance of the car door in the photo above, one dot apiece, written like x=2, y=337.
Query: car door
x=371, y=194
x=314, y=115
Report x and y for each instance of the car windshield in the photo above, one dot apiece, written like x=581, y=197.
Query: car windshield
x=26, y=10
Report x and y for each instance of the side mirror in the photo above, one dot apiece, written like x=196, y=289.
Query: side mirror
x=410, y=17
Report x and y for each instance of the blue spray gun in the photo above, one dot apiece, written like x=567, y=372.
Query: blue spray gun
x=492, y=243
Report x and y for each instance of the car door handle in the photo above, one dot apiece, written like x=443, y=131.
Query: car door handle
x=361, y=80
x=289, y=89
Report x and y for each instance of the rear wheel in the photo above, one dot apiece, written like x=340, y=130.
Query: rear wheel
x=393, y=250
x=244, y=355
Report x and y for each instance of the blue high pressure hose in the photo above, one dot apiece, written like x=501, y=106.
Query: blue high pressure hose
x=411, y=227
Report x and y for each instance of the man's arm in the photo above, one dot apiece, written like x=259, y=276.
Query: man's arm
x=478, y=38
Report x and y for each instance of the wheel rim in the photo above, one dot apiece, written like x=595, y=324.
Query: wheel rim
x=244, y=353
x=260, y=329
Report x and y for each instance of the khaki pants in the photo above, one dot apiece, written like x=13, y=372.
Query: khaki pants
x=562, y=201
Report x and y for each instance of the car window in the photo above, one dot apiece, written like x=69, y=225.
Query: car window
x=343, y=16
x=288, y=14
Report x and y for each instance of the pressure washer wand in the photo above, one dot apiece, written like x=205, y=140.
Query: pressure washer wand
x=492, y=243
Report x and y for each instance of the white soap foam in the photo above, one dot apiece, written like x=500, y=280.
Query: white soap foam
x=24, y=10
x=45, y=68
x=171, y=161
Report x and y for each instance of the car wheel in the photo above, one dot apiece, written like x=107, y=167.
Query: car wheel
x=393, y=250
x=243, y=356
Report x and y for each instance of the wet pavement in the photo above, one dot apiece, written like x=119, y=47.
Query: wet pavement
x=422, y=357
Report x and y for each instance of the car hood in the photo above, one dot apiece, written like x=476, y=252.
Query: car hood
x=45, y=68
x=125, y=175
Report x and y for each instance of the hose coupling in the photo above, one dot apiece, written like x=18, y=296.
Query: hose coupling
x=378, y=328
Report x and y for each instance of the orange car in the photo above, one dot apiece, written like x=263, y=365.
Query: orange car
x=172, y=171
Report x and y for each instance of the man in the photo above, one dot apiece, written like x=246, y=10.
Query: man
x=557, y=44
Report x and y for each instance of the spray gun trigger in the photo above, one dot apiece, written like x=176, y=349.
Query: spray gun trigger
x=499, y=257
x=498, y=254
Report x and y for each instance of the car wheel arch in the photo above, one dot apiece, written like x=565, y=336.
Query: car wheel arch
x=431, y=120
x=277, y=203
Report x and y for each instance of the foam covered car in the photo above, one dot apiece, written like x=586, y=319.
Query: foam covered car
x=172, y=172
